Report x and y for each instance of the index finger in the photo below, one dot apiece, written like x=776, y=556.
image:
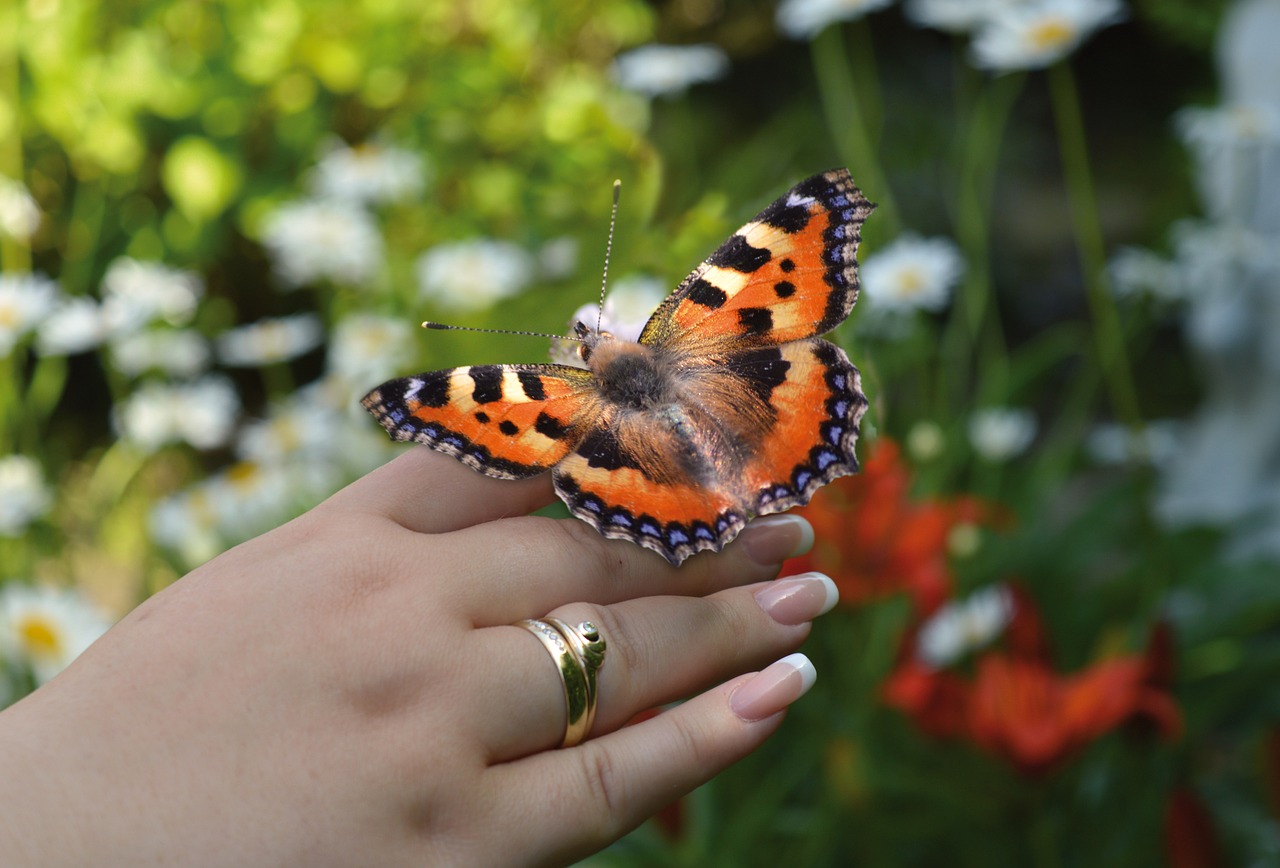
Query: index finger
x=428, y=492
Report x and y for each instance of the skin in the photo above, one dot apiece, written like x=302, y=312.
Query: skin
x=347, y=690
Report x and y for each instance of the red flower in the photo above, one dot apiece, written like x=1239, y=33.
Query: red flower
x=1035, y=717
x=873, y=540
x=1018, y=707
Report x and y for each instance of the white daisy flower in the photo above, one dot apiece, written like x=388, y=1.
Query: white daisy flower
x=250, y=497
x=19, y=213
x=76, y=325
x=25, y=300
x=323, y=239
x=202, y=413
x=805, y=19
x=365, y=348
x=1001, y=433
x=180, y=353
x=370, y=173
x=472, y=275
x=24, y=496
x=912, y=273
x=964, y=626
x=47, y=628
x=135, y=293
x=299, y=427
x=668, y=70
x=1233, y=145
x=1039, y=33
x=269, y=341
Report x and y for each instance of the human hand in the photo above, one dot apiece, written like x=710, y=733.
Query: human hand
x=348, y=689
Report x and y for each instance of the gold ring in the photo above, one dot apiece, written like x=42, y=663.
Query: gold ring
x=573, y=677
x=589, y=646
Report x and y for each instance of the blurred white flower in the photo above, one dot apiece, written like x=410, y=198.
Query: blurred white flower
x=1237, y=152
x=1038, y=33
x=370, y=173
x=1137, y=273
x=668, y=70
x=1001, y=433
x=299, y=427
x=19, y=213
x=271, y=340
x=187, y=524
x=202, y=413
x=24, y=496
x=25, y=300
x=1157, y=443
x=627, y=307
x=46, y=627
x=472, y=275
x=251, y=497
x=805, y=19
x=135, y=293
x=963, y=626
x=926, y=441
x=912, y=273
x=323, y=239
x=366, y=349
x=180, y=353
x=558, y=258
x=77, y=324
x=954, y=16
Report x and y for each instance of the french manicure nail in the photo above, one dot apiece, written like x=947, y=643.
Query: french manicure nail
x=774, y=688
x=774, y=538
x=797, y=599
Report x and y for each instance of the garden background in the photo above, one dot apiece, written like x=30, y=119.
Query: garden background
x=1057, y=643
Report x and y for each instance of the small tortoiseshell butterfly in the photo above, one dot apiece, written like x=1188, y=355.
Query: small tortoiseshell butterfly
x=729, y=406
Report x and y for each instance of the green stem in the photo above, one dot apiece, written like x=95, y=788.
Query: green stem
x=1113, y=362
x=847, y=119
x=974, y=334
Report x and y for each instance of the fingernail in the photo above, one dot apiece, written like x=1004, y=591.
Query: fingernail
x=774, y=538
x=797, y=599
x=774, y=688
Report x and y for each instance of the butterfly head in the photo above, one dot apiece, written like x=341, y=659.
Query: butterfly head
x=589, y=339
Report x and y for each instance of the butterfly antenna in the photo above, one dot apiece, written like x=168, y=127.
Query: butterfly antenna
x=457, y=328
x=608, y=251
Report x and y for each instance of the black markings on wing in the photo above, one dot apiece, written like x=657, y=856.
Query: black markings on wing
x=432, y=409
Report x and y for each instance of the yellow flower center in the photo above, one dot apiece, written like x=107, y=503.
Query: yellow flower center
x=40, y=637
x=8, y=316
x=910, y=282
x=1051, y=34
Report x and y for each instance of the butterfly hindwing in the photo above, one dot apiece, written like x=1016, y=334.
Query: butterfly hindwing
x=507, y=421
x=789, y=274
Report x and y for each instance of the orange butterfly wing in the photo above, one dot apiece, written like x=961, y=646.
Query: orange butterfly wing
x=506, y=421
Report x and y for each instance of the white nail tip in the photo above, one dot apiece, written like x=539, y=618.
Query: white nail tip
x=804, y=666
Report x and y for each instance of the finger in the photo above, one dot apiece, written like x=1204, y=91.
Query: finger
x=429, y=492
x=528, y=567
x=658, y=650
x=583, y=798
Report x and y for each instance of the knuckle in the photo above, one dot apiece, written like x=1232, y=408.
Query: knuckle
x=605, y=789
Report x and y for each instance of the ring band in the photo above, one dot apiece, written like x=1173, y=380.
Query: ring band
x=578, y=653
x=589, y=646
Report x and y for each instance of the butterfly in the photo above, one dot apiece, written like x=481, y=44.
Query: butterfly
x=729, y=405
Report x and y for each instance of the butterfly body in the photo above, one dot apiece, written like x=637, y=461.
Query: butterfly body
x=727, y=407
